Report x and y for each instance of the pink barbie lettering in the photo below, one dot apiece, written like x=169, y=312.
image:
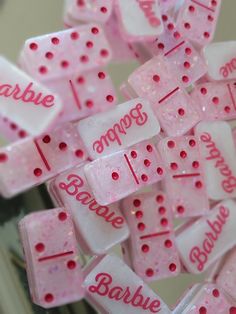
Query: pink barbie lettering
x=113, y=134
x=85, y=198
x=228, y=68
x=26, y=94
x=229, y=183
x=147, y=7
x=199, y=254
x=104, y=288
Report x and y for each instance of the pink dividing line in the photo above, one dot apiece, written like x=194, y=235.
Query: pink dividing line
x=46, y=258
x=203, y=5
x=42, y=155
x=168, y=95
x=231, y=96
x=131, y=169
x=186, y=175
x=77, y=101
x=152, y=235
x=176, y=47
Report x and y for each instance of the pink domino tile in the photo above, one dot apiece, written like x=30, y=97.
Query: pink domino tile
x=125, y=125
x=25, y=101
x=216, y=101
x=46, y=57
x=139, y=20
x=185, y=61
x=226, y=278
x=156, y=82
x=122, y=51
x=184, y=182
x=114, y=288
x=207, y=239
x=217, y=148
x=197, y=20
x=124, y=172
x=49, y=243
x=205, y=299
x=84, y=94
x=98, y=227
x=221, y=61
x=89, y=10
x=153, y=252
x=30, y=162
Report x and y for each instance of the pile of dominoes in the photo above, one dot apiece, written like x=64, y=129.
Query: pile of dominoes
x=122, y=174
